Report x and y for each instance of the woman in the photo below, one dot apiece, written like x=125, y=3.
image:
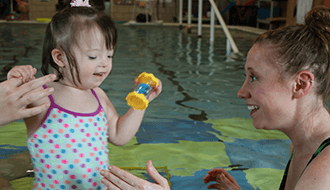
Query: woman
x=287, y=81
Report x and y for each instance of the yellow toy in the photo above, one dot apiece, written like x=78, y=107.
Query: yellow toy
x=138, y=99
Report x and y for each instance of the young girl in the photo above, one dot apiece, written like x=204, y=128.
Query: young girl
x=68, y=142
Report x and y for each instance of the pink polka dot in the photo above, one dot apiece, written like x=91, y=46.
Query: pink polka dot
x=89, y=170
x=35, y=136
x=95, y=149
x=57, y=146
x=101, y=162
x=43, y=185
x=81, y=155
x=54, y=116
x=31, y=140
x=73, y=140
x=96, y=134
x=76, y=125
x=59, y=167
x=64, y=161
x=55, y=181
x=90, y=119
x=59, y=111
x=44, y=136
x=60, y=130
x=72, y=176
x=92, y=154
x=37, y=155
x=88, y=135
x=50, y=131
x=47, y=166
x=76, y=161
x=99, y=128
x=41, y=151
x=81, y=120
x=84, y=176
x=65, y=125
x=94, y=184
x=52, y=151
x=98, y=168
x=68, y=145
x=83, y=140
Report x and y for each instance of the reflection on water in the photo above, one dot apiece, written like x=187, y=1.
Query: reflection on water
x=199, y=82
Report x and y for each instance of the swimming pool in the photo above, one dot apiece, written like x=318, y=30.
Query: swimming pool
x=196, y=124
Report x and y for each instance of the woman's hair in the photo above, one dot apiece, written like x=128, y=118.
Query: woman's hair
x=304, y=47
x=65, y=30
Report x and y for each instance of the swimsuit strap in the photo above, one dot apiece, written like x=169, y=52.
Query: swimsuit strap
x=94, y=93
x=318, y=151
x=52, y=102
x=323, y=145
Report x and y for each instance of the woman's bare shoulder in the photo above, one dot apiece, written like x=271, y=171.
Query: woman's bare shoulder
x=317, y=174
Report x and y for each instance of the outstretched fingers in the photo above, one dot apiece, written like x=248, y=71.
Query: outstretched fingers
x=118, y=179
x=153, y=173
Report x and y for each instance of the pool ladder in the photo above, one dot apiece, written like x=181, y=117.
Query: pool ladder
x=214, y=10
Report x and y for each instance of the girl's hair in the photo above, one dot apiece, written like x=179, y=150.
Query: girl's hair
x=65, y=30
x=304, y=47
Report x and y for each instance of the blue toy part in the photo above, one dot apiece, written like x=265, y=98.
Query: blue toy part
x=143, y=88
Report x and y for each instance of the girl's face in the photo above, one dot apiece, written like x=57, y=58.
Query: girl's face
x=94, y=60
x=268, y=98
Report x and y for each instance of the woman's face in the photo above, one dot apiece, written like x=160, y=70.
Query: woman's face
x=268, y=98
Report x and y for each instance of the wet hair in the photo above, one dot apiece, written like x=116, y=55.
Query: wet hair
x=64, y=31
x=304, y=47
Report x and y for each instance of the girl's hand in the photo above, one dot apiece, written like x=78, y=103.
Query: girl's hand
x=26, y=72
x=224, y=180
x=155, y=90
x=118, y=179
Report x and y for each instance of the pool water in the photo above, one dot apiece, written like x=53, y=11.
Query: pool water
x=197, y=123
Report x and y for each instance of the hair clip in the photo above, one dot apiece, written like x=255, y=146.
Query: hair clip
x=80, y=3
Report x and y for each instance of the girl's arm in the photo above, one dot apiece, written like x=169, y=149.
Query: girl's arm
x=122, y=129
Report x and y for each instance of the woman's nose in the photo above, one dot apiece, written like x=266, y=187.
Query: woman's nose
x=243, y=93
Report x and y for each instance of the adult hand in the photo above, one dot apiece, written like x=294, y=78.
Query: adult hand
x=14, y=98
x=118, y=179
x=224, y=179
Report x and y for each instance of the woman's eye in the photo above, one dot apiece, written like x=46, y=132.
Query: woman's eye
x=91, y=57
x=253, y=78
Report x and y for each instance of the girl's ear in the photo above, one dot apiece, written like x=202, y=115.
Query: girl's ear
x=59, y=57
x=303, y=84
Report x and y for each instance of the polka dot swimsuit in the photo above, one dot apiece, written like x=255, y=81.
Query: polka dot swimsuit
x=69, y=149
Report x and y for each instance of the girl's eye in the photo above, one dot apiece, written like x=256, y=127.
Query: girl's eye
x=91, y=57
x=110, y=57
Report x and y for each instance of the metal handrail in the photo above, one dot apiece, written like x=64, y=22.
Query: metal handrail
x=215, y=10
x=224, y=26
